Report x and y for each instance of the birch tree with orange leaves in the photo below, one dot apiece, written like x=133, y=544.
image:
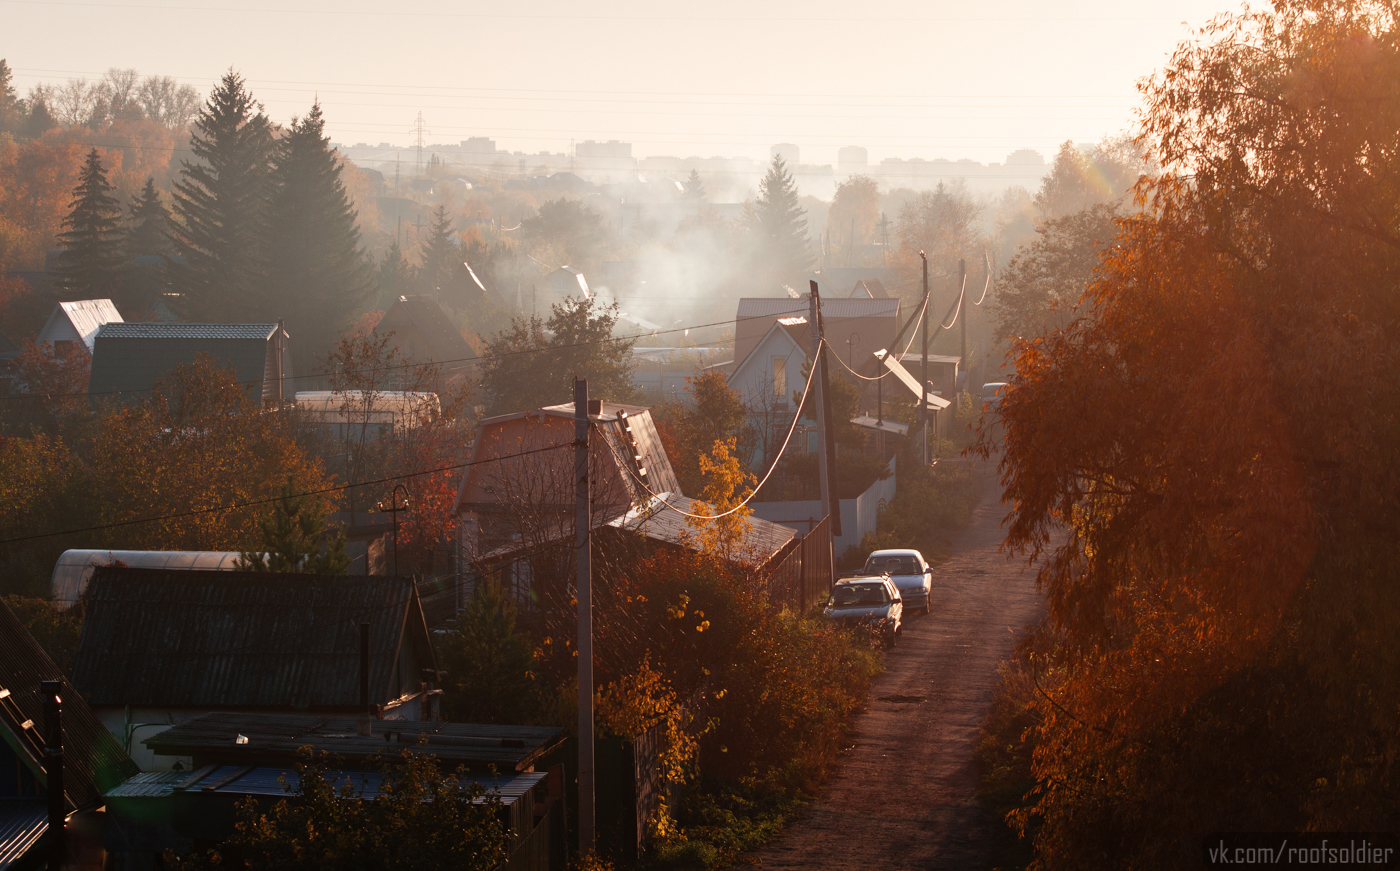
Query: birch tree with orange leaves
x=1206, y=462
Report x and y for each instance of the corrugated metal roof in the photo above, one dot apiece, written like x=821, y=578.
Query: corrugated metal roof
x=22, y=823
x=74, y=568
x=133, y=357
x=243, y=639
x=751, y=307
x=87, y=316
x=277, y=781
x=274, y=739
x=146, y=330
x=760, y=541
x=94, y=761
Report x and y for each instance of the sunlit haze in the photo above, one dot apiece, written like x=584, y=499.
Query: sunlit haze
x=902, y=79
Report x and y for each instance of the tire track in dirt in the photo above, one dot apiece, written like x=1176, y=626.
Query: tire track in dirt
x=905, y=796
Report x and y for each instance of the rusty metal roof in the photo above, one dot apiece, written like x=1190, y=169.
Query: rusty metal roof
x=274, y=739
x=243, y=639
x=760, y=541
x=94, y=760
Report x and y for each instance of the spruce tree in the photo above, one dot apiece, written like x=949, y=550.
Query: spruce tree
x=148, y=228
x=220, y=202
x=289, y=540
x=694, y=188
x=319, y=277
x=439, y=256
x=90, y=266
x=393, y=275
x=11, y=110
x=778, y=226
x=147, y=240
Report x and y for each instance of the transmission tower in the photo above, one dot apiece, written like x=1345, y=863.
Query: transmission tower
x=419, y=132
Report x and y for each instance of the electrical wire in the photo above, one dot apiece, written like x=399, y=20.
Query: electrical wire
x=255, y=502
x=253, y=382
x=962, y=293
x=912, y=334
x=792, y=427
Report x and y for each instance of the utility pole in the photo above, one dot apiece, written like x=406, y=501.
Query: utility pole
x=584, y=591
x=53, y=771
x=824, y=446
x=923, y=376
x=962, y=300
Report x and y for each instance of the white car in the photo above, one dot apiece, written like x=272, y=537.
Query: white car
x=910, y=575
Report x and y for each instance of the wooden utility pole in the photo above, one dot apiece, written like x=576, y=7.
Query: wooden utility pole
x=53, y=771
x=962, y=301
x=584, y=591
x=923, y=376
x=819, y=402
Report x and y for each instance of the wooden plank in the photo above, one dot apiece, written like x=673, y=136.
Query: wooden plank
x=228, y=778
x=196, y=777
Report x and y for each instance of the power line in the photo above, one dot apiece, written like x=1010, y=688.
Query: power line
x=772, y=468
x=534, y=18
x=256, y=502
x=551, y=348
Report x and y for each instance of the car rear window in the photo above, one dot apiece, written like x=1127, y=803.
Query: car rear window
x=859, y=594
x=895, y=565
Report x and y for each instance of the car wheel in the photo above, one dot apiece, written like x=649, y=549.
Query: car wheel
x=889, y=640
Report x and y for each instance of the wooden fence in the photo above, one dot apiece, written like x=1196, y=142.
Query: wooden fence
x=802, y=576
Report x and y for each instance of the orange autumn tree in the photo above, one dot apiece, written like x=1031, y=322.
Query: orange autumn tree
x=1217, y=436
x=197, y=441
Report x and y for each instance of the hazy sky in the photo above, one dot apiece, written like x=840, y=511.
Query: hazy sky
x=903, y=79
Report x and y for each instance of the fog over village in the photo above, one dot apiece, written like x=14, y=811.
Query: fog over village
x=794, y=435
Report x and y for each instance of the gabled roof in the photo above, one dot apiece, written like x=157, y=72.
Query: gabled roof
x=148, y=330
x=870, y=288
x=93, y=760
x=84, y=317
x=795, y=337
x=547, y=433
x=760, y=542
x=243, y=639
x=133, y=357
x=423, y=314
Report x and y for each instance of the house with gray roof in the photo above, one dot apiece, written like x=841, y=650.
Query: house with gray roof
x=128, y=359
x=161, y=647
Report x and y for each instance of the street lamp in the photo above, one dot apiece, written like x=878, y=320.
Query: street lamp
x=394, y=508
x=851, y=349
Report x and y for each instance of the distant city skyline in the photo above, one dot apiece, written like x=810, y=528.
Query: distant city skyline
x=908, y=80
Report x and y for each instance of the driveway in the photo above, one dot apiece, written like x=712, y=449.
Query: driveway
x=905, y=795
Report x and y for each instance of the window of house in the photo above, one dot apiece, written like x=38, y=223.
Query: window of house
x=780, y=376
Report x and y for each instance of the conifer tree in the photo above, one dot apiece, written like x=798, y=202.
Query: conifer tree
x=220, y=201
x=289, y=540
x=694, y=188
x=147, y=236
x=319, y=277
x=439, y=257
x=148, y=227
x=11, y=110
x=393, y=275
x=91, y=262
x=778, y=226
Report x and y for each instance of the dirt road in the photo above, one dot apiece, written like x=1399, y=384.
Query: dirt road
x=905, y=796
